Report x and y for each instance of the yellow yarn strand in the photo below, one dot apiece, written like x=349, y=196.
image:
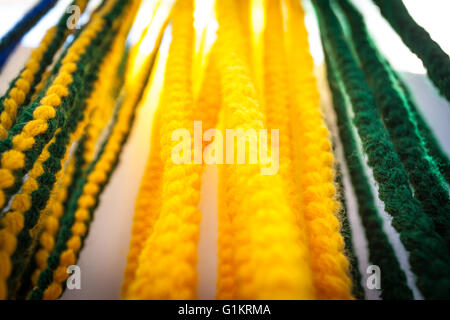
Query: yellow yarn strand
x=314, y=162
x=147, y=206
x=167, y=262
x=269, y=260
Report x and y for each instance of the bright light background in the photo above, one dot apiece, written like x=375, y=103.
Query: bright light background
x=431, y=14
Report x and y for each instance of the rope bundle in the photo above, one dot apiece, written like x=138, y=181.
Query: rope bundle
x=428, y=251
x=286, y=234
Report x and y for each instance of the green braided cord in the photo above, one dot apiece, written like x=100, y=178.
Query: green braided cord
x=90, y=64
x=66, y=223
x=26, y=285
x=53, y=47
x=435, y=60
x=430, y=189
x=54, y=123
x=25, y=114
x=357, y=289
x=431, y=143
x=381, y=253
x=428, y=253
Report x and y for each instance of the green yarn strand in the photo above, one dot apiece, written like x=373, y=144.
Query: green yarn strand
x=430, y=189
x=346, y=231
x=435, y=60
x=381, y=253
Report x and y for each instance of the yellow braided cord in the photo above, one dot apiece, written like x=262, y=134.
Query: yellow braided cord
x=314, y=163
x=148, y=201
x=22, y=86
x=278, y=107
x=209, y=104
x=270, y=261
x=277, y=96
x=167, y=262
x=225, y=269
x=146, y=212
x=225, y=240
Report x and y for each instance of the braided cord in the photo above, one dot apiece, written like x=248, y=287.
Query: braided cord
x=430, y=189
x=75, y=122
x=48, y=236
x=380, y=250
x=314, y=168
x=55, y=211
x=148, y=200
x=177, y=227
x=147, y=208
x=37, y=124
x=427, y=250
x=435, y=60
x=87, y=189
x=21, y=89
x=31, y=207
x=434, y=149
x=346, y=231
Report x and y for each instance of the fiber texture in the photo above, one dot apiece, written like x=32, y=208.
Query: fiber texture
x=380, y=250
x=435, y=60
x=284, y=227
x=315, y=173
x=37, y=127
x=167, y=262
x=430, y=189
x=270, y=260
x=427, y=250
x=357, y=289
x=85, y=196
x=21, y=89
